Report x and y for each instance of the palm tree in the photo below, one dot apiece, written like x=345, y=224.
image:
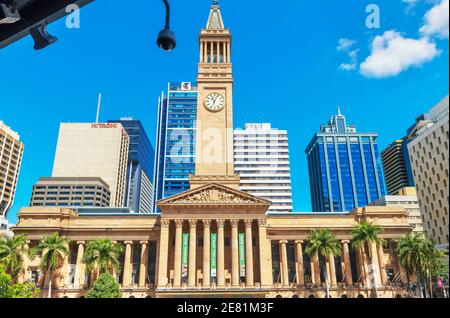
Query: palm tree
x=102, y=256
x=418, y=255
x=324, y=244
x=53, y=249
x=433, y=262
x=12, y=251
x=364, y=235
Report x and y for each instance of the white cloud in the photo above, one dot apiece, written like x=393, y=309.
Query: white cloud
x=346, y=45
x=392, y=54
x=436, y=21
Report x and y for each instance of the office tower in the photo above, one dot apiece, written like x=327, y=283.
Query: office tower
x=407, y=198
x=140, y=167
x=428, y=151
x=94, y=150
x=11, y=151
x=344, y=167
x=74, y=192
x=175, y=144
x=397, y=166
x=261, y=156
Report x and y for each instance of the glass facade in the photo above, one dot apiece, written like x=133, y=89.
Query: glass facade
x=175, y=153
x=140, y=167
x=344, y=168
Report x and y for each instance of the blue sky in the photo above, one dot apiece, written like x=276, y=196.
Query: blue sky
x=293, y=64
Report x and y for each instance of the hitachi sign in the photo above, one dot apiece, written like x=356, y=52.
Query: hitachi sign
x=109, y=125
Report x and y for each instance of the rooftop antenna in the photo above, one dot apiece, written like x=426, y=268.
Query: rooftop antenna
x=98, y=107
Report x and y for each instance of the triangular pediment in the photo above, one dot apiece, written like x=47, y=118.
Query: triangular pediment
x=214, y=194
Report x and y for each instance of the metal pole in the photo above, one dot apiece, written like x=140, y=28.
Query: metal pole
x=166, y=3
x=98, y=107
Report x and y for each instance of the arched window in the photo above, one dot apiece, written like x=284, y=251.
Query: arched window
x=398, y=296
x=279, y=296
x=360, y=296
x=344, y=296
x=311, y=296
x=295, y=296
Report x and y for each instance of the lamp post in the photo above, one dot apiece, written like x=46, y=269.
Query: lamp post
x=166, y=38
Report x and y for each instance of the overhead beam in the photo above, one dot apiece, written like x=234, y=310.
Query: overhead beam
x=34, y=13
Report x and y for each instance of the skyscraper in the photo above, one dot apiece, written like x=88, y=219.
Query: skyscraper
x=94, y=150
x=11, y=151
x=175, y=139
x=139, y=189
x=261, y=156
x=428, y=150
x=344, y=167
x=397, y=166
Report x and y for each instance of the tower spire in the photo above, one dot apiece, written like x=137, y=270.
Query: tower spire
x=215, y=21
x=339, y=110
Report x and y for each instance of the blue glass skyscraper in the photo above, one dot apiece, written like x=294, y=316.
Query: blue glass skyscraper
x=345, y=168
x=175, y=145
x=140, y=190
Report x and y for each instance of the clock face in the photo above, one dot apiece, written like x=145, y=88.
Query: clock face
x=215, y=102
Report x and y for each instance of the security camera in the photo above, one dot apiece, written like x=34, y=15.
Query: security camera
x=41, y=37
x=8, y=14
x=166, y=40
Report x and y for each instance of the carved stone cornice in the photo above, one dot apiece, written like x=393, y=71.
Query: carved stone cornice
x=214, y=194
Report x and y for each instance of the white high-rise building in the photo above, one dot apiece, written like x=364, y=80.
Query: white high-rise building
x=261, y=156
x=11, y=152
x=94, y=150
x=429, y=154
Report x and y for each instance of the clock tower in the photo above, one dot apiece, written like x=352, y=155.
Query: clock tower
x=214, y=144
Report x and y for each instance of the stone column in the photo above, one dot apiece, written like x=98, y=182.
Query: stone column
x=23, y=275
x=206, y=253
x=347, y=263
x=126, y=280
x=234, y=253
x=249, y=279
x=284, y=264
x=383, y=273
x=265, y=255
x=299, y=266
x=178, y=247
x=65, y=272
x=144, y=264
x=220, y=253
x=163, y=254
x=375, y=264
x=316, y=263
x=332, y=270
x=80, y=268
x=192, y=253
x=365, y=267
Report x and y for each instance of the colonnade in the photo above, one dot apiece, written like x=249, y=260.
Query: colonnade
x=241, y=246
